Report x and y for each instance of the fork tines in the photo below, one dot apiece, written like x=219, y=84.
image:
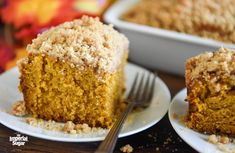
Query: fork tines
x=143, y=88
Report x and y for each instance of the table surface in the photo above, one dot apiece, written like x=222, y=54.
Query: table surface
x=159, y=138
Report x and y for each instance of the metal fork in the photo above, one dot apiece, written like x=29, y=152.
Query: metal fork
x=140, y=95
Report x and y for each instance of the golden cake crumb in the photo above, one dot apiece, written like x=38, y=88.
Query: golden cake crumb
x=127, y=148
x=19, y=109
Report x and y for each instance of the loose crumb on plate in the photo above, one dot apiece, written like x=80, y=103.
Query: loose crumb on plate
x=213, y=139
x=68, y=127
x=19, y=109
x=219, y=139
x=225, y=140
x=82, y=128
x=31, y=120
x=48, y=125
x=223, y=143
x=127, y=148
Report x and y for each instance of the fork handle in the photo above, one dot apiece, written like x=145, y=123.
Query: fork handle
x=108, y=145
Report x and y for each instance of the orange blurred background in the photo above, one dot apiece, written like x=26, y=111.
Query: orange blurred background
x=22, y=20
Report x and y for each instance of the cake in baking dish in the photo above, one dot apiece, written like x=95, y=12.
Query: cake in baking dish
x=75, y=72
x=210, y=82
x=213, y=19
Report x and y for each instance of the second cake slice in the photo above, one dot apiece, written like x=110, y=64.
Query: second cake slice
x=210, y=82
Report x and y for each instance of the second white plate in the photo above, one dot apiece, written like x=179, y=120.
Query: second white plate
x=141, y=120
x=198, y=141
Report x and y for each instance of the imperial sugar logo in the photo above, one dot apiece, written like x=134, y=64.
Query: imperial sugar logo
x=18, y=140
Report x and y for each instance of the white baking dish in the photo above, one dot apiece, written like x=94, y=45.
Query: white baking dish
x=157, y=48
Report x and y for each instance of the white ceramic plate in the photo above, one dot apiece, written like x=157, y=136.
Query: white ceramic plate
x=198, y=141
x=141, y=120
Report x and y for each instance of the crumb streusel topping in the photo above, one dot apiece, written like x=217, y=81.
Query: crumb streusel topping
x=214, y=66
x=85, y=42
x=207, y=18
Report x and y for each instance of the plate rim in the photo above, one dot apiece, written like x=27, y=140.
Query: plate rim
x=97, y=138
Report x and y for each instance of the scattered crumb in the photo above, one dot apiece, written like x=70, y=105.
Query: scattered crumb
x=157, y=149
x=48, y=125
x=140, y=147
x=31, y=120
x=222, y=143
x=219, y=139
x=179, y=139
x=225, y=140
x=213, y=139
x=68, y=126
x=167, y=141
x=149, y=135
x=127, y=148
x=82, y=128
x=19, y=109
